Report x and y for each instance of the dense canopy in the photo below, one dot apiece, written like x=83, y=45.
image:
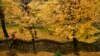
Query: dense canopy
x=63, y=18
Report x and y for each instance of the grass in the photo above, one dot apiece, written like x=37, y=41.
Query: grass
x=52, y=54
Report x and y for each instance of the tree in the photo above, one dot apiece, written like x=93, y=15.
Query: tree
x=63, y=18
x=2, y=19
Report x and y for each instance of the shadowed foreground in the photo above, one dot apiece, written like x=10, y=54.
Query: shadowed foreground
x=47, y=46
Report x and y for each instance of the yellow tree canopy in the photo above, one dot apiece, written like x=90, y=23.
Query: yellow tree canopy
x=57, y=17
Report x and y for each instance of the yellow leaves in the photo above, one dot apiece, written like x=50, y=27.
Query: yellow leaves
x=55, y=15
x=84, y=27
x=58, y=31
x=86, y=32
x=87, y=27
x=60, y=16
x=87, y=8
x=11, y=10
x=69, y=33
x=90, y=39
x=34, y=5
x=46, y=8
x=52, y=2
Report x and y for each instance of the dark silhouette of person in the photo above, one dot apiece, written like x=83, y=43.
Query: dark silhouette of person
x=13, y=39
x=14, y=35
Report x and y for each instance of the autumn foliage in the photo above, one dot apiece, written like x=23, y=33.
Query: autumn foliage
x=63, y=18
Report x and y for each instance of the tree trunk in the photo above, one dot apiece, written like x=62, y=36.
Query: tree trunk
x=75, y=46
x=4, y=28
x=33, y=40
x=3, y=22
